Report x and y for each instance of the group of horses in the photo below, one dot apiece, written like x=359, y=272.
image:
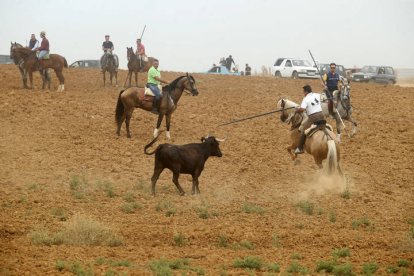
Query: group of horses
x=323, y=144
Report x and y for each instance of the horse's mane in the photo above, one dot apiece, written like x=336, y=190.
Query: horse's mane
x=173, y=84
x=24, y=51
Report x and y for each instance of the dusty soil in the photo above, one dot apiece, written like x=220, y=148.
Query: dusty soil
x=47, y=138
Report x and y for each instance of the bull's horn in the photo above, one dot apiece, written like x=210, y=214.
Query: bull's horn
x=221, y=140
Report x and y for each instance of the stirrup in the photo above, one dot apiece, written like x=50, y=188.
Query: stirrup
x=298, y=151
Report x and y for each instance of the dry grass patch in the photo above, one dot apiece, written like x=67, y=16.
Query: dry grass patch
x=80, y=230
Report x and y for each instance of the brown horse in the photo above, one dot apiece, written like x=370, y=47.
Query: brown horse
x=134, y=97
x=109, y=65
x=55, y=61
x=321, y=145
x=133, y=66
x=23, y=72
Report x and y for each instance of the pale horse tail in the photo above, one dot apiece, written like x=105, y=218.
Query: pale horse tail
x=332, y=157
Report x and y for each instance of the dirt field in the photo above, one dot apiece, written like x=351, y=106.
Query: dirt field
x=60, y=159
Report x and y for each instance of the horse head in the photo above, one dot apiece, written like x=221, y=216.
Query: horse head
x=13, y=47
x=130, y=52
x=346, y=92
x=287, y=110
x=190, y=85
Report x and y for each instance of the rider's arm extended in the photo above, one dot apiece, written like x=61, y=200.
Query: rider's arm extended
x=161, y=80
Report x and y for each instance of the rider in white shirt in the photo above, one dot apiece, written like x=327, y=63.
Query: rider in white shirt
x=311, y=103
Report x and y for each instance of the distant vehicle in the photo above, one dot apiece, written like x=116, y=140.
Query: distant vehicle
x=91, y=63
x=5, y=59
x=380, y=74
x=222, y=70
x=294, y=68
x=325, y=67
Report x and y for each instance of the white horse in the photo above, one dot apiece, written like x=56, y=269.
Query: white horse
x=321, y=145
x=342, y=105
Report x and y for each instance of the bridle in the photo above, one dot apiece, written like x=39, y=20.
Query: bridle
x=194, y=91
x=289, y=119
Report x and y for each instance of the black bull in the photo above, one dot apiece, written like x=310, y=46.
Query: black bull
x=186, y=159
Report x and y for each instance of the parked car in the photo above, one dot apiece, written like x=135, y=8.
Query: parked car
x=222, y=70
x=325, y=67
x=380, y=74
x=294, y=68
x=90, y=63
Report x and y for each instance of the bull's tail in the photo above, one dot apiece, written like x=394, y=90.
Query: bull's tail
x=151, y=143
x=119, y=110
x=65, y=63
x=332, y=157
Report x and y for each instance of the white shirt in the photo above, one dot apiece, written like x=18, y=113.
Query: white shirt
x=36, y=45
x=312, y=103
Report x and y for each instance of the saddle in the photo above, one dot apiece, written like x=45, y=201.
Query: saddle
x=148, y=91
x=143, y=96
x=320, y=125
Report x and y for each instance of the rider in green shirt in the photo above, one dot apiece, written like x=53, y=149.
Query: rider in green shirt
x=154, y=79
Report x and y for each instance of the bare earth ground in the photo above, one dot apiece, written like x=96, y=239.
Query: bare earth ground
x=49, y=138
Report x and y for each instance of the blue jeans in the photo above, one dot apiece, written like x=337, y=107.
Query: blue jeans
x=154, y=88
x=43, y=53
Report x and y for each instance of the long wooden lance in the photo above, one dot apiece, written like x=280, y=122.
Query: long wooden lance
x=255, y=116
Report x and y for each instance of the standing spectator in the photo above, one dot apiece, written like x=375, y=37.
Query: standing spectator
x=248, y=70
x=229, y=61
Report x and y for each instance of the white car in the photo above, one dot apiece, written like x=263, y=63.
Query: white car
x=294, y=68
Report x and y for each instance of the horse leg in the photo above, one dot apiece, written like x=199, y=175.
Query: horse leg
x=318, y=162
x=119, y=124
x=129, y=77
x=111, y=75
x=156, y=130
x=61, y=80
x=128, y=115
x=31, y=79
x=23, y=75
x=289, y=149
x=136, y=78
x=104, y=77
x=338, y=129
x=167, y=123
x=116, y=78
x=354, y=126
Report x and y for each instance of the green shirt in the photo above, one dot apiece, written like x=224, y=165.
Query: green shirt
x=153, y=72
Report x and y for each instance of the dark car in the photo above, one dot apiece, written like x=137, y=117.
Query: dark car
x=91, y=63
x=325, y=67
x=380, y=74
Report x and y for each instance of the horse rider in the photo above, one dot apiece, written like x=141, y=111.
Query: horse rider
x=311, y=103
x=33, y=42
x=229, y=61
x=154, y=79
x=331, y=79
x=108, y=48
x=248, y=70
x=43, y=48
x=140, y=53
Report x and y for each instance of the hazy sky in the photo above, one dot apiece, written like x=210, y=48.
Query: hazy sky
x=192, y=35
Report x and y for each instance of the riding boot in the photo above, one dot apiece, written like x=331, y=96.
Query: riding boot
x=155, y=104
x=302, y=141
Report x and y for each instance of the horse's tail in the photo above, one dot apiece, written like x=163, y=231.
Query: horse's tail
x=151, y=143
x=119, y=110
x=332, y=156
x=65, y=63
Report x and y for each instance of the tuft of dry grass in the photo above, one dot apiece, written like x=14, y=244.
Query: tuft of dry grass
x=80, y=230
